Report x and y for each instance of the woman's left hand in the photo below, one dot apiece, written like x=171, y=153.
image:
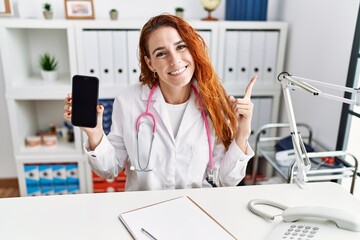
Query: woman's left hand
x=243, y=108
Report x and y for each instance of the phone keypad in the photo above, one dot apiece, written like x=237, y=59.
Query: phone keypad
x=300, y=232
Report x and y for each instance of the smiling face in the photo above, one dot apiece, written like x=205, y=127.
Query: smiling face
x=170, y=58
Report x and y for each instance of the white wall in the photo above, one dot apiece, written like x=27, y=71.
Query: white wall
x=319, y=45
x=128, y=9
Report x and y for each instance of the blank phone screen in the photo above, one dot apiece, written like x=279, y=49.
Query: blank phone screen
x=85, y=90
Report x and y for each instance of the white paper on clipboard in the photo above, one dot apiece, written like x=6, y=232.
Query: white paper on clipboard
x=177, y=219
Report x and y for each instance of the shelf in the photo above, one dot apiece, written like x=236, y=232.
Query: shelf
x=37, y=88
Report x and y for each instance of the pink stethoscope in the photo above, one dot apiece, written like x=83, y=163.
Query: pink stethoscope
x=149, y=114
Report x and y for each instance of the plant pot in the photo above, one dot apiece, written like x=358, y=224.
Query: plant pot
x=49, y=75
x=179, y=14
x=114, y=15
x=48, y=14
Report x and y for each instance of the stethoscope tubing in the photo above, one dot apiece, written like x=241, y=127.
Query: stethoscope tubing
x=149, y=114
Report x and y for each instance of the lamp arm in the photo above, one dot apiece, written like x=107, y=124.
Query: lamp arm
x=290, y=82
x=298, y=82
x=302, y=160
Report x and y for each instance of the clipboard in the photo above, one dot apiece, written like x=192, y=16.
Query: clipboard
x=176, y=219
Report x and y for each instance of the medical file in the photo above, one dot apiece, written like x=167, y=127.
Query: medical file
x=179, y=218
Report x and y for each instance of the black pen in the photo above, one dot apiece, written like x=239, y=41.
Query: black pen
x=148, y=234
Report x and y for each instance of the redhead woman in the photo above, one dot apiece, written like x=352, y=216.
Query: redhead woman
x=176, y=128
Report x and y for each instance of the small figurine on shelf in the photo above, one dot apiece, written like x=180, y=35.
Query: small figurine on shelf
x=48, y=13
x=113, y=14
x=48, y=66
x=179, y=12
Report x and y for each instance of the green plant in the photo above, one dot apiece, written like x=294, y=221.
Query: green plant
x=47, y=62
x=179, y=9
x=47, y=7
x=113, y=10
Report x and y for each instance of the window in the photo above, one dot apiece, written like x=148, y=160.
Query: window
x=349, y=130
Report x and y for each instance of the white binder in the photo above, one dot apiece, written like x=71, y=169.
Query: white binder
x=271, y=49
x=206, y=35
x=265, y=110
x=106, y=57
x=244, y=54
x=120, y=57
x=230, y=58
x=133, y=44
x=255, y=117
x=91, y=53
x=257, y=54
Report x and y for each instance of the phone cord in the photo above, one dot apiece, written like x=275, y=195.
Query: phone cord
x=252, y=208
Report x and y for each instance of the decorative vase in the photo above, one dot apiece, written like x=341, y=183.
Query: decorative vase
x=114, y=15
x=179, y=14
x=49, y=75
x=48, y=14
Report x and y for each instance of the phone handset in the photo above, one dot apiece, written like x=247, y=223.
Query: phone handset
x=343, y=219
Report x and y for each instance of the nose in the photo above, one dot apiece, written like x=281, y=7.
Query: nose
x=175, y=58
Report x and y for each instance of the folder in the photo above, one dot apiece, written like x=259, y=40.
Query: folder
x=91, y=53
x=105, y=41
x=133, y=60
x=230, y=63
x=120, y=57
x=175, y=219
x=270, y=57
x=244, y=55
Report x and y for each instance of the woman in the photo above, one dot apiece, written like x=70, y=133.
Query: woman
x=177, y=128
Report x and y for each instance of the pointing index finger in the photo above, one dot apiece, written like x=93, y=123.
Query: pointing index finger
x=249, y=87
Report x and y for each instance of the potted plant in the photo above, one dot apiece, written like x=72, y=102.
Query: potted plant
x=113, y=14
x=179, y=12
x=48, y=66
x=48, y=13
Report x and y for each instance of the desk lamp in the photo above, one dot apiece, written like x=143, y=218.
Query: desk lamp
x=290, y=82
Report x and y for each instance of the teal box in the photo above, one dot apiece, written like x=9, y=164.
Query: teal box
x=59, y=174
x=72, y=174
x=33, y=190
x=46, y=175
x=31, y=175
x=73, y=189
x=60, y=189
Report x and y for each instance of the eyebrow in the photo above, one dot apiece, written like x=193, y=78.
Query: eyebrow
x=161, y=48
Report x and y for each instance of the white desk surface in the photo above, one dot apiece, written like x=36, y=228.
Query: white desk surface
x=95, y=216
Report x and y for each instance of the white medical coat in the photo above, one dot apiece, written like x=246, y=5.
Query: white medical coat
x=182, y=162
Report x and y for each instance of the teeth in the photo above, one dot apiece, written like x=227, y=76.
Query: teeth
x=178, y=71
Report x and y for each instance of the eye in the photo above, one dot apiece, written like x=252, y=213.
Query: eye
x=181, y=47
x=160, y=54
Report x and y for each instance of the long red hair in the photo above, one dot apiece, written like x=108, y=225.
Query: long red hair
x=211, y=91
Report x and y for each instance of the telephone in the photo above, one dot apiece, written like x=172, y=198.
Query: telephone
x=316, y=223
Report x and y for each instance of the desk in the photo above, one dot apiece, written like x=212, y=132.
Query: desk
x=95, y=216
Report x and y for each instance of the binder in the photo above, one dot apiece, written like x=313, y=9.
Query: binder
x=91, y=53
x=255, y=119
x=270, y=56
x=120, y=58
x=257, y=50
x=244, y=54
x=206, y=35
x=176, y=219
x=133, y=43
x=230, y=63
x=106, y=57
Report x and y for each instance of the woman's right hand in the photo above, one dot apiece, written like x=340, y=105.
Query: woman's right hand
x=94, y=134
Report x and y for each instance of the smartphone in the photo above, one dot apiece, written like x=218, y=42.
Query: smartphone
x=85, y=93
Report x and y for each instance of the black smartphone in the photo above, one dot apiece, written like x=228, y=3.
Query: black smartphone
x=85, y=93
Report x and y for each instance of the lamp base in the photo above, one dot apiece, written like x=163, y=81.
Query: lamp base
x=209, y=17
